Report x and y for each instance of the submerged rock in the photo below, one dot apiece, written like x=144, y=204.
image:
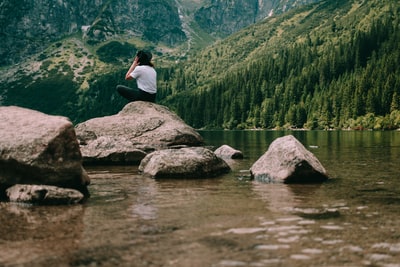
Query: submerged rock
x=227, y=152
x=36, y=148
x=43, y=194
x=287, y=160
x=190, y=162
x=318, y=214
x=139, y=128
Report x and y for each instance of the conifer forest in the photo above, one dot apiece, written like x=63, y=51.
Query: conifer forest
x=347, y=79
x=327, y=65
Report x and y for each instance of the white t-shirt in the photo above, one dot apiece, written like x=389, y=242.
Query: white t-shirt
x=146, y=78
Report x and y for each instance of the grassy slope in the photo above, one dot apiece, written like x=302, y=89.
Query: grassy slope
x=71, y=58
x=266, y=37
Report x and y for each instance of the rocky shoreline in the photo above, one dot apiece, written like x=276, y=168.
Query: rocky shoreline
x=39, y=152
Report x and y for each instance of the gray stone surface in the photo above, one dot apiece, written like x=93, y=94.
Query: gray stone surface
x=36, y=148
x=139, y=128
x=287, y=160
x=43, y=194
x=190, y=162
x=227, y=152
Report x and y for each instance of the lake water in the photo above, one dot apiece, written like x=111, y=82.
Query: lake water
x=351, y=220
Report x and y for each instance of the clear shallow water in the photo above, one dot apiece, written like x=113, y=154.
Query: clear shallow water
x=130, y=220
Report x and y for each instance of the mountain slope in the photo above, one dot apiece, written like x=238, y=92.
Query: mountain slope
x=56, y=56
x=222, y=18
x=314, y=67
x=331, y=64
x=263, y=40
x=28, y=27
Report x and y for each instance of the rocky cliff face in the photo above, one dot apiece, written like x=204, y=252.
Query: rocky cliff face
x=28, y=26
x=224, y=17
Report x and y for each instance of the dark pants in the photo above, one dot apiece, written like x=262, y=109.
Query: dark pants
x=135, y=94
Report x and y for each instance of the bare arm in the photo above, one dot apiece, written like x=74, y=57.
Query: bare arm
x=133, y=66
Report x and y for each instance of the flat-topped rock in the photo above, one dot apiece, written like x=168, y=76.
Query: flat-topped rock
x=190, y=162
x=43, y=194
x=138, y=129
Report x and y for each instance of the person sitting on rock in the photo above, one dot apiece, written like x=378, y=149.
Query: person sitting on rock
x=142, y=69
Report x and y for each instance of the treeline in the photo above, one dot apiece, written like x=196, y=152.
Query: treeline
x=344, y=75
x=315, y=84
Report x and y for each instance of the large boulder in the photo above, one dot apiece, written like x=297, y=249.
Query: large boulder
x=288, y=161
x=36, y=148
x=138, y=129
x=189, y=162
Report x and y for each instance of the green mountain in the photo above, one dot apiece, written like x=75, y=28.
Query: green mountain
x=28, y=27
x=327, y=65
x=66, y=57
x=331, y=64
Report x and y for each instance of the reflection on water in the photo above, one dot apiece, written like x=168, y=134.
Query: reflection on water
x=29, y=233
x=131, y=220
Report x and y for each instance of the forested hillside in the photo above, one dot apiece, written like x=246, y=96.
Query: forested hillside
x=328, y=65
x=70, y=66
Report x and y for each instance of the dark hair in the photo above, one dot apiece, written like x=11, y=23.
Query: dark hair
x=145, y=58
